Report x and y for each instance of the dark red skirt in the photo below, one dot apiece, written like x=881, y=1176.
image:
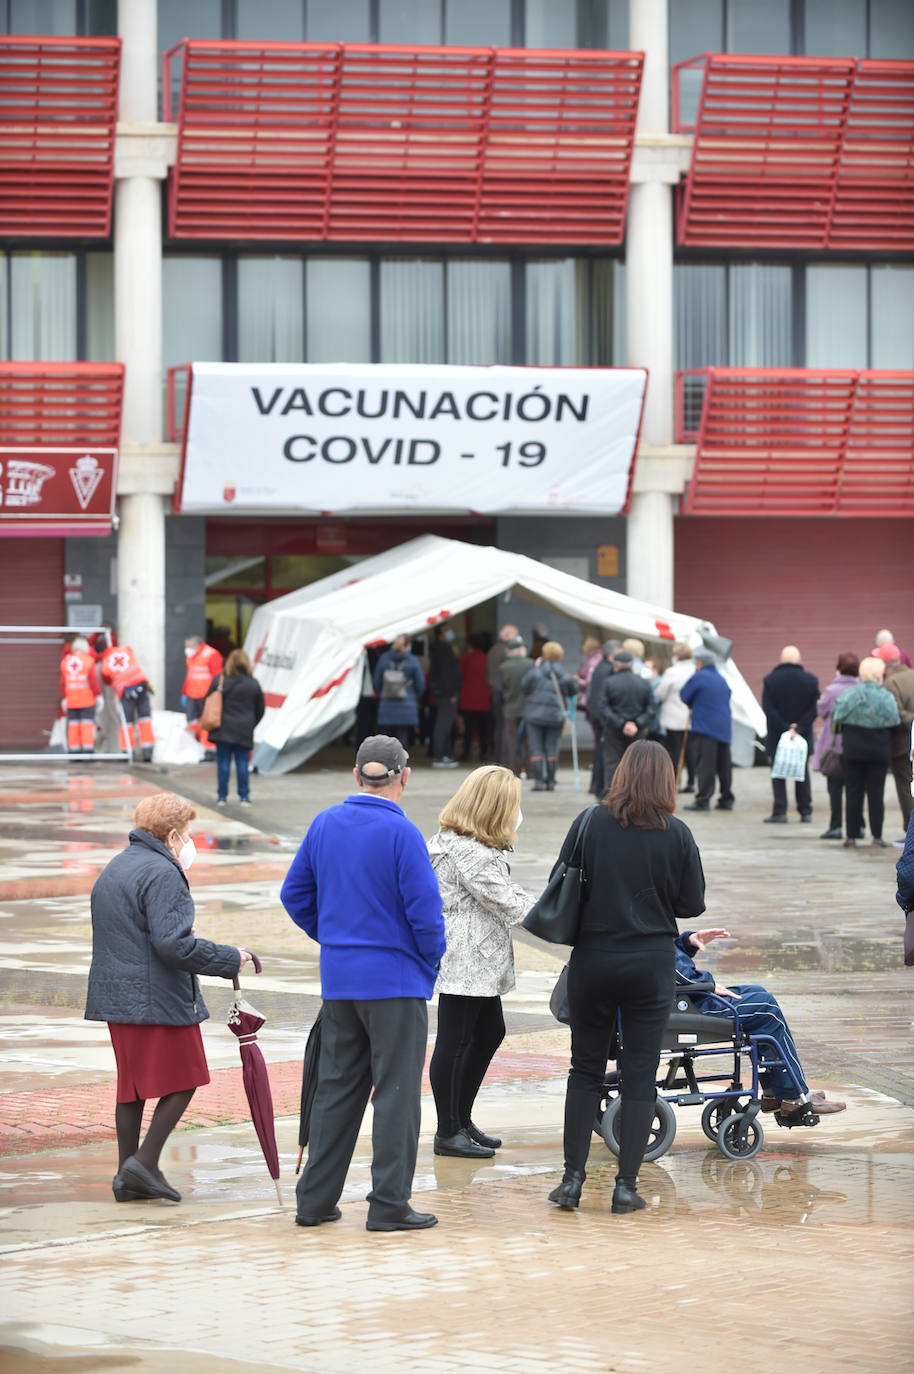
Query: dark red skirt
x=153, y=1061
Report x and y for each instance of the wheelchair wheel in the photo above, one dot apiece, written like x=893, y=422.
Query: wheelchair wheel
x=609, y=1094
x=728, y=1138
x=663, y=1128
x=713, y=1117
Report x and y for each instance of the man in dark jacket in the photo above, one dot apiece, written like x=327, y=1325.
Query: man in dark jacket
x=789, y=701
x=444, y=681
x=511, y=673
x=363, y=887
x=594, y=706
x=899, y=680
x=708, y=696
x=627, y=709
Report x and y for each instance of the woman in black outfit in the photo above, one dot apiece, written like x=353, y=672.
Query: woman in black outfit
x=643, y=872
x=242, y=708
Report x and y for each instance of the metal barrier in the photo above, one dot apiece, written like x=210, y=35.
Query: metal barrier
x=58, y=112
x=801, y=441
x=375, y=143
x=796, y=152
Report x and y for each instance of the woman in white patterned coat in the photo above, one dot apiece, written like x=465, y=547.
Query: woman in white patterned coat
x=480, y=903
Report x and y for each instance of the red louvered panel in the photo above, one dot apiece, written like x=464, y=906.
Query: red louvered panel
x=798, y=152
x=796, y=441
x=352, y=142
x=51, y=404
x=874, y=200
x=58, y=114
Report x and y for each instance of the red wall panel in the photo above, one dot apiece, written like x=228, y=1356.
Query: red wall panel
x=31, y=593
x=824, y=585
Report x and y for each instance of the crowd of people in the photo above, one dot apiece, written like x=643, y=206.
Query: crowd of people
x=426, y=916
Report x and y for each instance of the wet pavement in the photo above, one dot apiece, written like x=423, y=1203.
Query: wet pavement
x=798, y=1258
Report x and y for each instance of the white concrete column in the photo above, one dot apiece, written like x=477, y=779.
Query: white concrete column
x=649, y=299
x=138, y=343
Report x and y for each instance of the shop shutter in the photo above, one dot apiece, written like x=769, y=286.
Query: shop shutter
x=31, y=593
x=824, y=585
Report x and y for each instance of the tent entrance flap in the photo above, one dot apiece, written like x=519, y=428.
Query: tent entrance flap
x=308, y=648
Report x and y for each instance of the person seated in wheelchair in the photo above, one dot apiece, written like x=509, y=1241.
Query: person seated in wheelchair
x=759, y=1014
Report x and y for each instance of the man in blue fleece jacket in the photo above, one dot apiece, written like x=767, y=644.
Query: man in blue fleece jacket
x=362, y=886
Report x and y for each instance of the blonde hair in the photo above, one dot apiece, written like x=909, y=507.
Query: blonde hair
x=161, y=814
x=237, y=659
x=485, y=807
x=634, y=646
x=681, y=650
x=590, y=643
x=872, y=670
x=552, y=652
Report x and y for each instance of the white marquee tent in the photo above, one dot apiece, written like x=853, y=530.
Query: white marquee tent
x=308, y=648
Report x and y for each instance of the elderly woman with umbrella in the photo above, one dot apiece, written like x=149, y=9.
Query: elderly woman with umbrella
x=143, y=982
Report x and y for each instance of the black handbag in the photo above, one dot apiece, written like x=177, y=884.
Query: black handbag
x=831, y=765
x=557, y=913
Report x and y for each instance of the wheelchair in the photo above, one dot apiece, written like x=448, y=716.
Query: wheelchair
x=730, y=1107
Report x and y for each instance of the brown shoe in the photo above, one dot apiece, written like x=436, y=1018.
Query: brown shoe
x=822, y=1107
x=770, y=1104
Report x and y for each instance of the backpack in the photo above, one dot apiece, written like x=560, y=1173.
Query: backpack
x=394, y=684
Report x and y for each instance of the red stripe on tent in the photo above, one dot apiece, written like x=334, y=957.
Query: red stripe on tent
x=273, y=700
x=329, y=686
x=664, y=630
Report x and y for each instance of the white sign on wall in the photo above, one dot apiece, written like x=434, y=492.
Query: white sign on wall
x=358, y=437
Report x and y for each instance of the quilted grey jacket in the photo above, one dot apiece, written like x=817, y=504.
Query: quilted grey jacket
x=145, y=957
x=480, y=903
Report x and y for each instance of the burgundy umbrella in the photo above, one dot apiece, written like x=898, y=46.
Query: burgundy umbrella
x=244, y=1021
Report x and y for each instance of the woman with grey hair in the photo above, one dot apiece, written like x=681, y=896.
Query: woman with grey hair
x=865, y=714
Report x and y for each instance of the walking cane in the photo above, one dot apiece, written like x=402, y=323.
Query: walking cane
x=685, y=740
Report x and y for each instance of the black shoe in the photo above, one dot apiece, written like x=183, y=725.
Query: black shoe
x=806, y=817
x=568, y=1194
x=689, y=788
x=879, y=842
x=697, y=806
x=834, y=833
x=492, y=1142
x=136, y=1177
x=316, y=1221
x=776, y=820
x=410, y=1221
x=724, y=806
x=124, y=1194
x=462, y=1146
x=626, y=1198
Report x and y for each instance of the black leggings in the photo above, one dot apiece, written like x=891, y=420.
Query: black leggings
x=470, y=1030
x=638, y=983
x=865, y=775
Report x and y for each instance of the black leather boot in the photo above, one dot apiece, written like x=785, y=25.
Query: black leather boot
x=635, y=1121
x=540, y=770
x=568, y=1194
x=550, y=775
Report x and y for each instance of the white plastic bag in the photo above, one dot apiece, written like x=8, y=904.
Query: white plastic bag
x=790, y=757
x=174, y=742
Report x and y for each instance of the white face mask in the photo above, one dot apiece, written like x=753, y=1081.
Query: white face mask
x=186, y=854
x=188, y=653
x=520, y=820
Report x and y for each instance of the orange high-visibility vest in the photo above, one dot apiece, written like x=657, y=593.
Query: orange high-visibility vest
x=120, y=668
x=201, y=669
x=78, y=680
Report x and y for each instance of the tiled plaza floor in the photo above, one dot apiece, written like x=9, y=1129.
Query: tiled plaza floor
x=799, y=1259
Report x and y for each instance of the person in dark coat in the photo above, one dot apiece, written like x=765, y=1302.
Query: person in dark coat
x=242, y=708
x=399, y=697
x=790, y=702
x=511, y=674
x=594, y=708
x=707, y=695
x=143, y=982
x=444, y=681
x=547, y=689
x=626, y=711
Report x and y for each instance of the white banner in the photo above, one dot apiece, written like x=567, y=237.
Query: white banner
x=358, y=437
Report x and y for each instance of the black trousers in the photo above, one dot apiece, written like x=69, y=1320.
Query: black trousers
x=803, y=792
x=443, y=731
x=712, y=759
x=476, y=722
x=865, y=776
x=614, y=746
x=365, y=1046
x=835, y=802
x=597, y=775
x=900, y=765
x=672, y=742
x=470, y=1030
x=636, y=983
